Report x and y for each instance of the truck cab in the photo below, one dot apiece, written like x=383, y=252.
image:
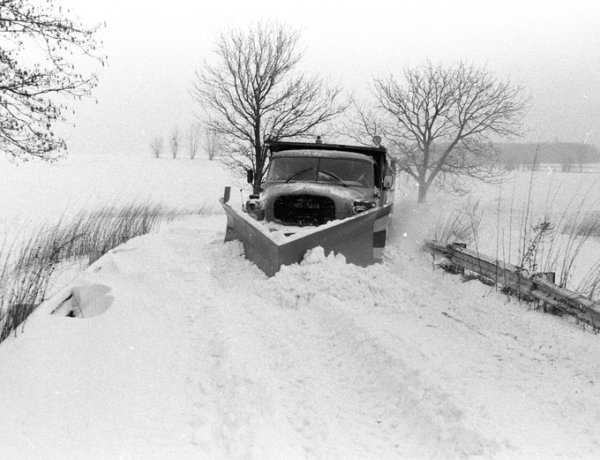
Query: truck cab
x=310, y=184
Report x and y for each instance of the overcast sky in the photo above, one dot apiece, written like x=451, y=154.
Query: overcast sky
x=552, y=48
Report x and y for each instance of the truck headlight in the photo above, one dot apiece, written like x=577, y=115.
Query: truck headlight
x=253, y=205
x=361, y=206
x=254, y=208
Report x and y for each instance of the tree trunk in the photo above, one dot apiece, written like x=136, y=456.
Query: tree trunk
x=257, y=177
x=423, y=183
x=259, y=156
x=423, y=187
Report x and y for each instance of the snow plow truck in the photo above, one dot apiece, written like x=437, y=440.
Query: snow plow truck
x=335, y=196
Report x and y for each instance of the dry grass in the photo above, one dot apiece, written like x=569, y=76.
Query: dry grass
x=590, y=284
x=459, y=226
x=588, y=225
x=550, y=238
x=543, y=239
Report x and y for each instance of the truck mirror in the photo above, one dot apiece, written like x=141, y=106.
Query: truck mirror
x=250, y=176
x=388, y=181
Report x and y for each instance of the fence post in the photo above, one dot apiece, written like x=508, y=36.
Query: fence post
x=459, y=268
x=550, y=277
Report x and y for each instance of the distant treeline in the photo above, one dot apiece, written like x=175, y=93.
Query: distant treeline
x=570, y=155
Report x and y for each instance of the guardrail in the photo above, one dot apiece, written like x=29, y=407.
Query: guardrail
x=537, y=286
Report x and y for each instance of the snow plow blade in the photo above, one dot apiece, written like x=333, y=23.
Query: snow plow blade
x=360, y=239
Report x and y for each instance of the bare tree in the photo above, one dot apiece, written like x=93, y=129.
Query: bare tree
x=252, y=93
x=156, y=146
x=441, y=121
x=192, y=139
x=212, y=143
x=38, y=45
x=174, y=141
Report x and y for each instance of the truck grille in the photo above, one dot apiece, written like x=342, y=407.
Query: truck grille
x=303, y=209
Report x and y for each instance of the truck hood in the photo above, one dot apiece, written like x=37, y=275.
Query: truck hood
x=337, y=192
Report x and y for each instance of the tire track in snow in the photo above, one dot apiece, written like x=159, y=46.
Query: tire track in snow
x=384, y=406
x=342, y=392
x=233, y=411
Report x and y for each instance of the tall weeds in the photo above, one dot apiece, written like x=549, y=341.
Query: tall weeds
x=552, y=240
x=460, y=226
x=537, y=234
x=26, y=267
x=590, y=284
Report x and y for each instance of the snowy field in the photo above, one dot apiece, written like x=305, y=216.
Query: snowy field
x=36, y=191
x=187, y=350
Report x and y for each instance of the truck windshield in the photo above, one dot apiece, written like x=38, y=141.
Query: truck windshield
x=342, y=171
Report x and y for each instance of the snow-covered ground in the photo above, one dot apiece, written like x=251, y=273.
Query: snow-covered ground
x=187, y=350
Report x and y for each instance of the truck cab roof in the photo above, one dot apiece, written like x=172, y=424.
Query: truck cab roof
x=378, y=154
x=316, y=153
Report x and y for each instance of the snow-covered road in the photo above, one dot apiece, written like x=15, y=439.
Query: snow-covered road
x=199, y=355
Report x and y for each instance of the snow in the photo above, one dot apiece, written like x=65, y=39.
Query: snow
x=187, y=350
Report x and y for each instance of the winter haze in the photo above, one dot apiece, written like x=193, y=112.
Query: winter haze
x=174, y=345
x=550, y=48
